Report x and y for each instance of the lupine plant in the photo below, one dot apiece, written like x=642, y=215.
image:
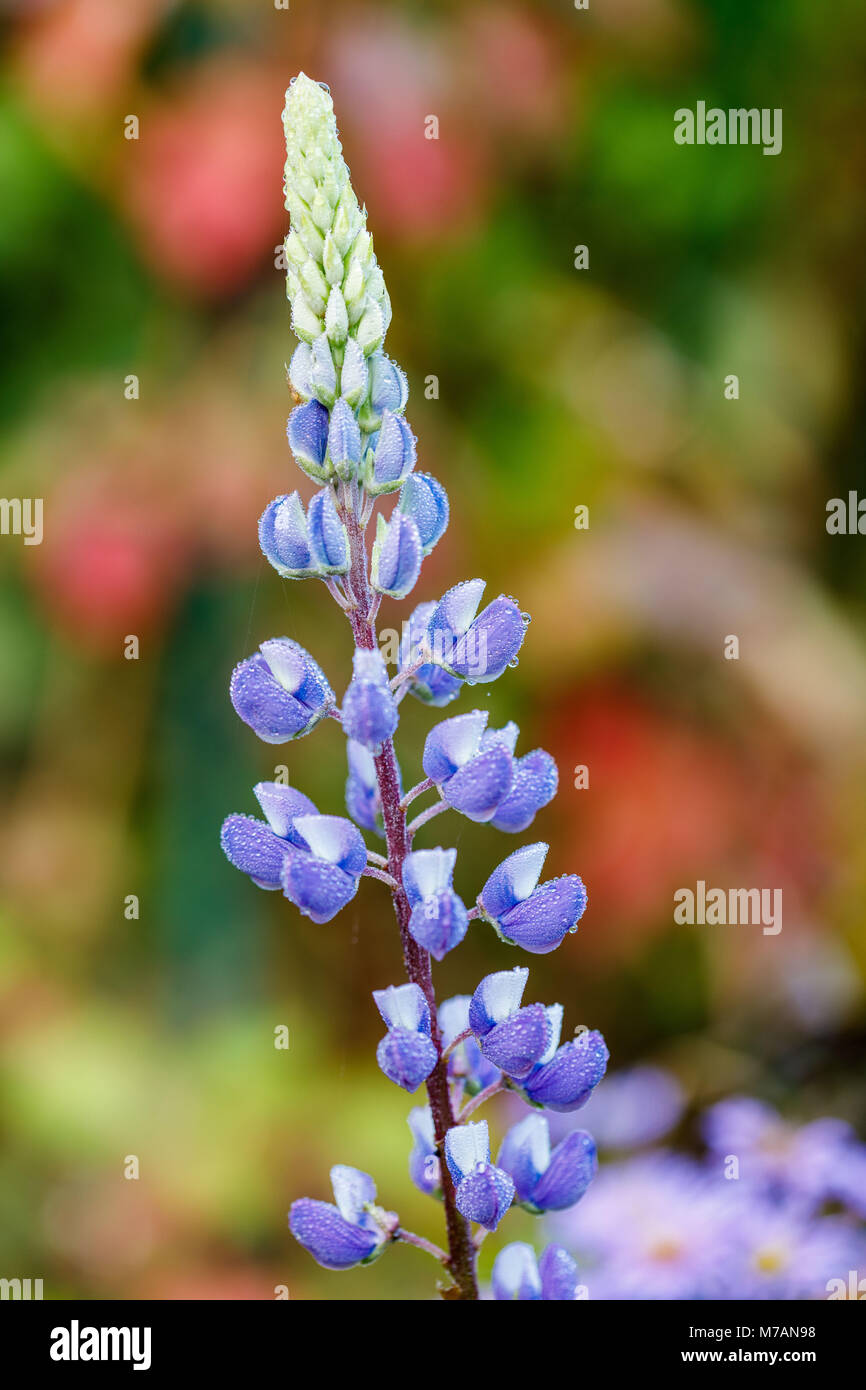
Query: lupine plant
x=349, y=434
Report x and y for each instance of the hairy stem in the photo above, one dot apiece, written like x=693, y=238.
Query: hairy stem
x=410, y=1238
x=435, y=810
x=461, y=1250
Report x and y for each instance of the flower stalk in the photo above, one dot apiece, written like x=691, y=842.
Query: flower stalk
x=348, y=434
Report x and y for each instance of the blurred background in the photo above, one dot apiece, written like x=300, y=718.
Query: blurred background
x=152, y=1035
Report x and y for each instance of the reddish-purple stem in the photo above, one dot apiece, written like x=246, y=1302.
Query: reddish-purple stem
x=461, y=1249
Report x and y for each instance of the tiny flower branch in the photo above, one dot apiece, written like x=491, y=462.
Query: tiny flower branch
x=425, y=816
x=409, y=1238
x=415, y=792
x=349, y=435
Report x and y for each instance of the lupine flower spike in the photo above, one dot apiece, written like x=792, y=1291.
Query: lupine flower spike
x=349, y=434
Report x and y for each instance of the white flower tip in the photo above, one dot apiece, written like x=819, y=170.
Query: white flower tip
x=307, y=100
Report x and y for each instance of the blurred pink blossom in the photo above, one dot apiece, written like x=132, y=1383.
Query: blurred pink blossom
x=76, y=56
x=204, y=179
x=392, y=80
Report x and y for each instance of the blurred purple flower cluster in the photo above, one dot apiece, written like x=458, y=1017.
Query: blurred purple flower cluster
x=769, y=1211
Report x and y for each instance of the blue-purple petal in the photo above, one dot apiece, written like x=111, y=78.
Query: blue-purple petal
x=552, y=911
x=427, y=872
x=425, y=500
x=491, y=644
x=496, y=998
x=518, y=1043
x=396, y=562
x=281, y=804
x=252, y=847
x=476, y=789
x=307, y=431
x=438, y=924
x=344, y=439
x=515, y=1275
x=407, y=1058
x=369, y=712
x=332, y=1241
x=485, y=1196
x=262, y=703
x=513, y=880
x=534, y=785
x=559, y=1276
x=567, y=1081
x=404, y=1006
x=572, y=1167
x=319, y=890
x=327, y=534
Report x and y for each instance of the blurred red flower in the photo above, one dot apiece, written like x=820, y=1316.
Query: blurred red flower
x=111, y=561
x=77, y=55
x=670, y=802
x=391, y=82
x=203, y=181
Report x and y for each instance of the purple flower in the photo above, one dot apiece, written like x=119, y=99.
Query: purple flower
x=389, y=390
x=406, y=1058
x=545, y=1180
x=344, y=440
x=567, y=1077
x=476, y=648
x=424, y=1169
x=344, y=1235
x=407, y=1053
x=466, y=1063
x=362, y=788
x=514, y=1039
x=661, y=1226
x=260, y=849
x=780, y=1250
x=425, y=500
x=483, y=1192
x=321, y=875
x=848, y=1182
x=304, y=547
x=280, y=691
x=534, y=784
x=776, y=1155
x=518, y=1276
x=307, y=431
x=473, y=769
x=391, y=455
x=396, y=560
x=653, y=1227
x=439, y=920
x=369, y=710
x=526, y=914
x=428, y=683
